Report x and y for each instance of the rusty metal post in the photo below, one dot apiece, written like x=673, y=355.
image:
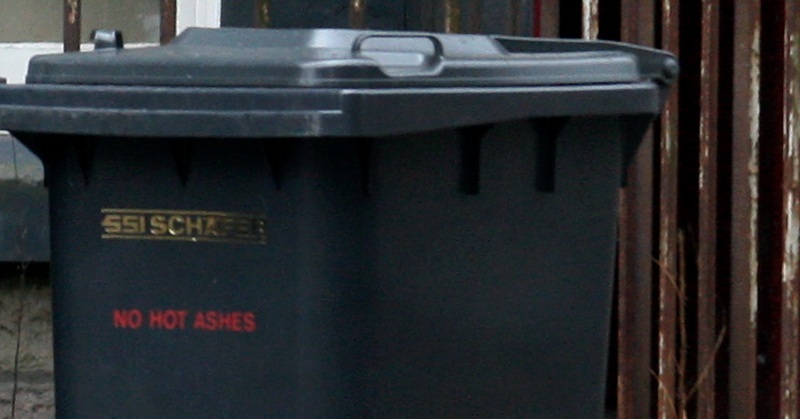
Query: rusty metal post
x=452, y=16
x=546, y=17
x=635, y=259
x=476, y=16
x=790, y=294
x=358, y=12
x=169, y=12
x=745, y=210
x=590, y=22
x=168, y=26
x=262, y=13
x=514, y=16
x=72, y=25
x=668, y=227
x=707, y=210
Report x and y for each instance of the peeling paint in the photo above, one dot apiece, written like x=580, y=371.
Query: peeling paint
x=790, y=317
x=73, y=10
x=704, y=152
x=591, y=19
x=704, y=124
x=661, y=348
x=667, y=144
x=790, y=245
x=754, y=112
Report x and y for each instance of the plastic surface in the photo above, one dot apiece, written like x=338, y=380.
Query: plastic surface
x=253, y=83
x=335, y=224
x=399, y=278
x=334, y=58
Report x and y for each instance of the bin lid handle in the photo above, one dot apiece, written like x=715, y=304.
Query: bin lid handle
x=401, y=55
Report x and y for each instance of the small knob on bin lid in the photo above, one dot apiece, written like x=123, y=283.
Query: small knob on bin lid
x=107, y=39
x=671, y=69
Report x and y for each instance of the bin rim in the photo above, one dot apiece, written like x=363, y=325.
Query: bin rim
x=335, y=91
x=235, y=57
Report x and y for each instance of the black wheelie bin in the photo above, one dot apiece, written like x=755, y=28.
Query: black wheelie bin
x=334, y=223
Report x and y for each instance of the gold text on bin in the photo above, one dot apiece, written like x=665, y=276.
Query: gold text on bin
x=191, y=226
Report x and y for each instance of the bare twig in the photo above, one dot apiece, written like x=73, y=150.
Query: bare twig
x=709, y=363
x=23, y=268
x=680, y=398
x=683, y=400
x=667, y=393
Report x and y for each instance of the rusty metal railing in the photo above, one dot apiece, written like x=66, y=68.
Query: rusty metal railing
x=73, y=16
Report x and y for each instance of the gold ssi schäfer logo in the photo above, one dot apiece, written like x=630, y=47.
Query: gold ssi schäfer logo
x=191, y=226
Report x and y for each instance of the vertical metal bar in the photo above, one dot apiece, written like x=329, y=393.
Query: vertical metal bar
x=72, y=25
x=421, y=15
x=629, y=26
x=169, y=13
x=547, y=18
x=790, y=275
x=476, y=16
x=635, y=248
x=262, y=13
x=707, y=210
x=771, y=207
x=633, y=378
x=358, y=13
x=745, y=210
x=514, y=16
x=452, y=16
x=591, y=19
x=668, y=227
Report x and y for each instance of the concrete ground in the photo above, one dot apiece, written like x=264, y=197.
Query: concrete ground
x=34, y=395
x=25, y=347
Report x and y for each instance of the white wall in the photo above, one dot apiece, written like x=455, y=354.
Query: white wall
x=198, y=13
x=14, y=57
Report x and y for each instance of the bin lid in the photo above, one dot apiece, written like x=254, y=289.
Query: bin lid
x=328, y=82
x=232, y=57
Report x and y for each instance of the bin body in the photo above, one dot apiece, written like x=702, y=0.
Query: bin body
x=387, y=263
x=495, y=304
x=282, y=362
